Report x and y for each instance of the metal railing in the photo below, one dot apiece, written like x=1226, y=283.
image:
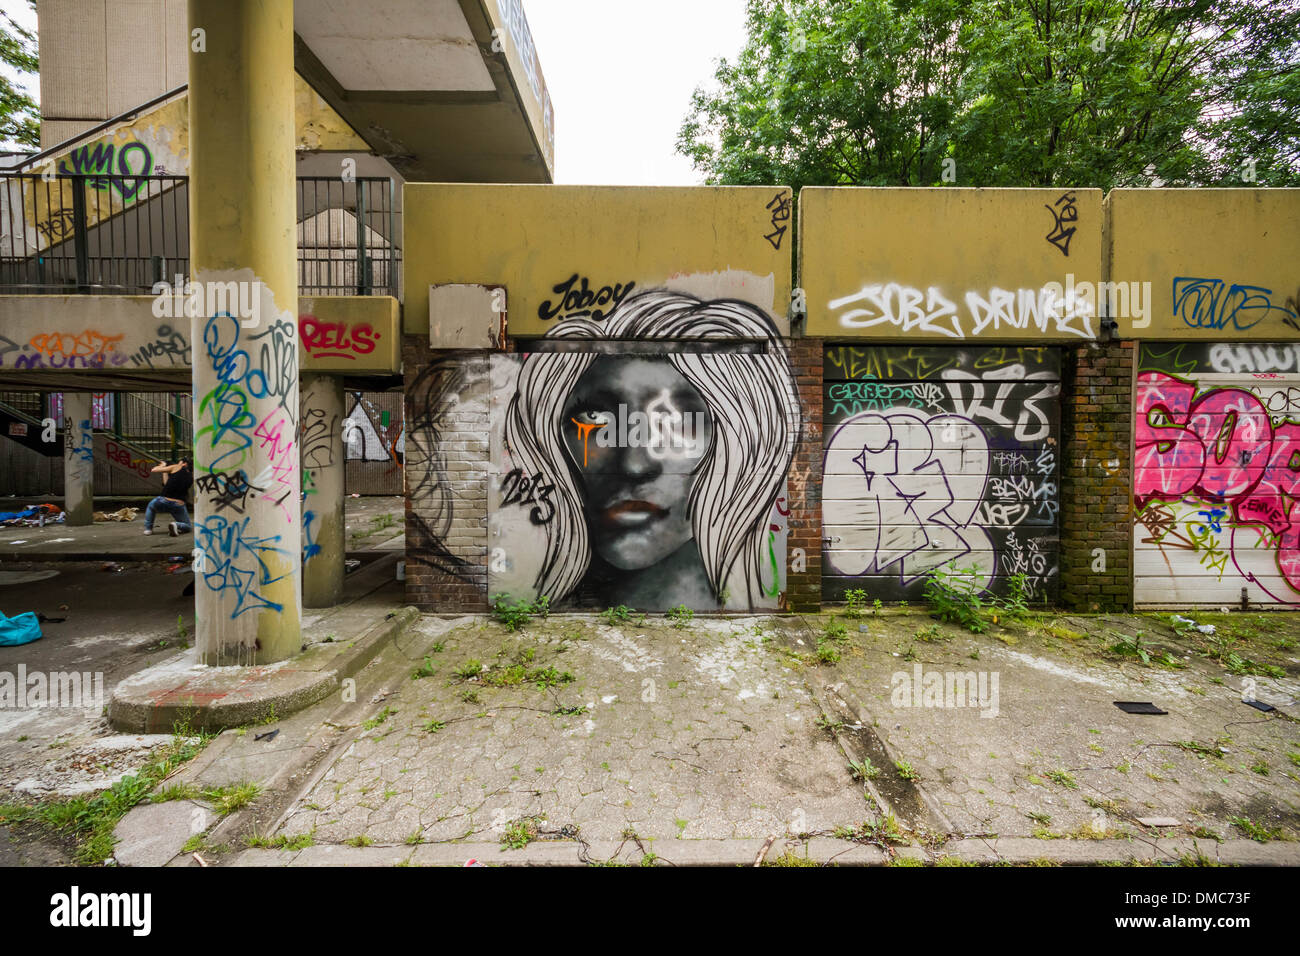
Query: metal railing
x=28, y=404
x=92, y=234
x=121, y=234
x=155, y=422
x=347, y=236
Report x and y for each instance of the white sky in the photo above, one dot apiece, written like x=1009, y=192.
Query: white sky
x=620, y=74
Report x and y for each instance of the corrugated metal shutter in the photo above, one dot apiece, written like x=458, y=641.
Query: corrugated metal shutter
x=940, y=457
x=1216, y=475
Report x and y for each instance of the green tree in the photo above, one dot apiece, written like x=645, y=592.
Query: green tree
x=20, y=121
x=1005, y=92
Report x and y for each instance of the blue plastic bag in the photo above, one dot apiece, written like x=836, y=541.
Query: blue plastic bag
x=19, y=629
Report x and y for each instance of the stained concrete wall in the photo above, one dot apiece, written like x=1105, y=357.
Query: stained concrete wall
x=1220, y=263
x=140, y=333
x=983, y=266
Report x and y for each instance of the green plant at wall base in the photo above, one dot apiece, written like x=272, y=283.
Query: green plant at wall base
x=855, y=601
x=1133, y=648
x=621, y=614
x=515, y=614
x=680, y=616
x=954, y=595
x=1016, y=602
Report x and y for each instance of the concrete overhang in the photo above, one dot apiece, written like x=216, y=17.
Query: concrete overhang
x=121, y=343
x=445, y=90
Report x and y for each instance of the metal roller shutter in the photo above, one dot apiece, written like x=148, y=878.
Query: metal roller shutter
x=939, y=457
x=1216, y=473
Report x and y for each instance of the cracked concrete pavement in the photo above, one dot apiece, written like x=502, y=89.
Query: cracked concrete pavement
x=706, y=743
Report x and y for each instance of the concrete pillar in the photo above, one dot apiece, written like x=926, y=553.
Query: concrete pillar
x=323, y=544
x=243, y=253
x=78, y=459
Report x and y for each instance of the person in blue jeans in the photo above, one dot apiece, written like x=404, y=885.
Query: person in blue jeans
x=172, y=500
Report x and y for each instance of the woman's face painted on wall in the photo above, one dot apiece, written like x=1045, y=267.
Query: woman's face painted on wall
x=636, y=431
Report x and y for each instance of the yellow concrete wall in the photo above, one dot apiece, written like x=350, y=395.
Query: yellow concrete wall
x=712, y=242
x=947, y=265
x=319, y=127
x=349, y=333
x=126, y=333
x=1223, y=264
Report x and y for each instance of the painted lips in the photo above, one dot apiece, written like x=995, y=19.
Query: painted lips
x=631, y=514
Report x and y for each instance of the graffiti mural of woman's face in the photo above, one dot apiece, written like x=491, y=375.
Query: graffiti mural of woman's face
x=636, y=431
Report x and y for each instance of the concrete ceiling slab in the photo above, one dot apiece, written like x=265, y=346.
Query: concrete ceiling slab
x=393, y=44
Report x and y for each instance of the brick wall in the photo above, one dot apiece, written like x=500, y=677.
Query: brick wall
x=804, y=485
x=1096, y=476
x=446, y=474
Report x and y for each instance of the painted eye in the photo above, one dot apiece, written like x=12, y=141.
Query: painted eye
x=592, y=417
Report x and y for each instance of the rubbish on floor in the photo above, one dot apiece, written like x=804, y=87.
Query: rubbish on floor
x=19, y=629
x=1206, y=629
x=32, y=516
x=110, y=566
x=269, y=735
x=1159, y=822
x=1139, y=707
x=49, y=620
x=351, y=565
x=122, y=514
x=1260, y=705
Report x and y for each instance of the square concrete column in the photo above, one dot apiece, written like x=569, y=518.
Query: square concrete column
x=248, y=598
x=322, y=490
x=78, y=459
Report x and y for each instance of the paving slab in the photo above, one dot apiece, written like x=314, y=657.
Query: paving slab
x=153, y=833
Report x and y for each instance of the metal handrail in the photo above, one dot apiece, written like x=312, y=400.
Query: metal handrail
x=115, y=232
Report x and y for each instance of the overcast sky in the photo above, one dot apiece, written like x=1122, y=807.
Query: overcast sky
x=620, y=74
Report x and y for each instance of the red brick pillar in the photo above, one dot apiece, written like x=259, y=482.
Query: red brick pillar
x=1096, y=477
x=804, y=484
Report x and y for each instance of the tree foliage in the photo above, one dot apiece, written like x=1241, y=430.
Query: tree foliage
x=19, y=116
x=1005, y=92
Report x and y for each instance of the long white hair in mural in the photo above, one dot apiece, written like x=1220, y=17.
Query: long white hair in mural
x=653, y=473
